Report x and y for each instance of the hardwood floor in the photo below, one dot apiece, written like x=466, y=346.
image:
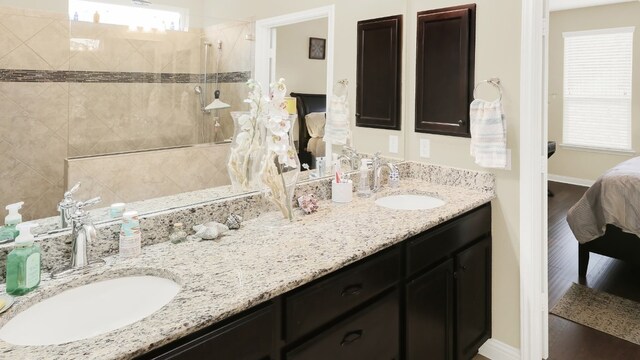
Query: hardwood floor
x=568, y=340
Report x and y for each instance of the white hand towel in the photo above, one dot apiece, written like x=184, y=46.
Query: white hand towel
x=488, y=134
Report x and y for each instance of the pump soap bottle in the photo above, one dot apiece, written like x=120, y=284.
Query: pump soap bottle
x=23, y=262
x=9, y=232
x=364, y=190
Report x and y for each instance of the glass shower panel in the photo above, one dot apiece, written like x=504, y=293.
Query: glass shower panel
x=133, y=68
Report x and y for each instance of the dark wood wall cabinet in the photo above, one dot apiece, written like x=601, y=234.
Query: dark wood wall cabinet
x=445, y=59
x=379, y=73
x=428, y=297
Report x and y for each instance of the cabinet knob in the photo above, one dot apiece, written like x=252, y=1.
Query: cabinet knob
x=460, y=122
x=352, y=290
x=351, y=337
x=358, y=115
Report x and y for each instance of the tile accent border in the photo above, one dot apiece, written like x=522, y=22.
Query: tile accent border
x=71, y=76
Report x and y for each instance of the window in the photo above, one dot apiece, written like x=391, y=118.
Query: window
x=597, y=89
x=137, y=14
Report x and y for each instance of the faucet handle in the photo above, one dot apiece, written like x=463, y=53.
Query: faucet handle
x=73, y=190
x=90, y=202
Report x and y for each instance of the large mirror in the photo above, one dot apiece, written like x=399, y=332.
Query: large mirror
x=134, y=98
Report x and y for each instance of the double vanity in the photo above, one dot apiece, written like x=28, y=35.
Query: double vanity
x=405, y=274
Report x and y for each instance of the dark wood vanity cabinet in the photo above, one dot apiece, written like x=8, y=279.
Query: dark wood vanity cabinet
x=379, y=73
x=445, y=70
x=428, y=297
x=448, y=296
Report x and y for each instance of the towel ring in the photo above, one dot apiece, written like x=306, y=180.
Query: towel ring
x=494, y=81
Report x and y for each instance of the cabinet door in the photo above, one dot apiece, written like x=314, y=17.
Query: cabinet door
x=248, y=338
x=473, y=298
x=379, y=73
x=444, y=70
x=429, y=314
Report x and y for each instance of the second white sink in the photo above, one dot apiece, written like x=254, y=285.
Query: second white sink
x=89, y=310
x=410, y=202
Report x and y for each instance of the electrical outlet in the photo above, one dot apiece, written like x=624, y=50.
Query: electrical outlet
x=425, y=148
x=393, y=144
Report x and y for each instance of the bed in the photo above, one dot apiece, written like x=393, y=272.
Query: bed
x=606, y=220
x=307, y=104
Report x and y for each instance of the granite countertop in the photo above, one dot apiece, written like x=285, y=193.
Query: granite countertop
x=245, y=268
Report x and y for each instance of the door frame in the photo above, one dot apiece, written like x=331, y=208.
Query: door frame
x=264, y=47
x=534, y=326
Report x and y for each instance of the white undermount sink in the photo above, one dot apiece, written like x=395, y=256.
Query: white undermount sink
x=410, y=202
x=89, y=310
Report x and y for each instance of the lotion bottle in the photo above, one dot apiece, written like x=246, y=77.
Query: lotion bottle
x=23, y=262
x=130, y=235
x=364, y=190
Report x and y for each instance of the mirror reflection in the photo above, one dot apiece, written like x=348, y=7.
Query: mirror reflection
x=134, y=100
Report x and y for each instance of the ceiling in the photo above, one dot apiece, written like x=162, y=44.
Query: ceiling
x=556, y=5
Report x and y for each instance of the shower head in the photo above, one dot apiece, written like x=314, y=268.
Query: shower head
x=198, y=90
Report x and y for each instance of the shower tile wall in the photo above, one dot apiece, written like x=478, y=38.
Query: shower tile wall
x=67, y=115
x=125, y=177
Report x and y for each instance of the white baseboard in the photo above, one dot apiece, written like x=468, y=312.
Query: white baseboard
x=497, y=350
x=570, y=180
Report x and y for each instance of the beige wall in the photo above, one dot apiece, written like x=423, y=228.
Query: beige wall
x=302, y=74
x=497, y=55
x=581, y=164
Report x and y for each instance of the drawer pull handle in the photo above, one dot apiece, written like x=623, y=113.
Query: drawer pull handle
x=350, y=337
x=352, y=290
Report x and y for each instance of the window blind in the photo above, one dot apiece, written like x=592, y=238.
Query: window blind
x=597, y=88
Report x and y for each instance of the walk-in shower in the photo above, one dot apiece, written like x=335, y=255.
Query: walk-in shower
x=201, y=91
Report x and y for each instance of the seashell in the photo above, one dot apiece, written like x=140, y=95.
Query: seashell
x=234, y=221
x=210, y=231
x=308, y=203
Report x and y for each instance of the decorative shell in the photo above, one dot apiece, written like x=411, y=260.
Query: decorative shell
x=234, y=221
x=308, y=203
x=210, y=231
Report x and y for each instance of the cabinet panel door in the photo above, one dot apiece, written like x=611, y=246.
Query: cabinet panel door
x=429, y=314
x=372, y=334
x=249, y=338
x=473, y=298
x=444, y=70
x=379, y=73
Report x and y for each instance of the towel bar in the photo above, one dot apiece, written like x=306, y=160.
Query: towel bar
x=493, y=81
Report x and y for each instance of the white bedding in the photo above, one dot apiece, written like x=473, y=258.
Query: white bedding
x=613, y=199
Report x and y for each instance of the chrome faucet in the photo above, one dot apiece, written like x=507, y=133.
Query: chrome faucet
x=351, y=156
x=67, y=206
x=83, y=234
x=377, y=166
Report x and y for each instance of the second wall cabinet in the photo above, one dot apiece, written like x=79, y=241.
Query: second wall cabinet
x=379, y=74
x=445, y=70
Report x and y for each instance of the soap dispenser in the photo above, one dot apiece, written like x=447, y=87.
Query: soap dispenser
x=364, y=190
x=9, y=232
x=23, y=262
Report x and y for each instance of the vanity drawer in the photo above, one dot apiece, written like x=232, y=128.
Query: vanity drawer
x=334, y=295
x=372, y=333
x=435, y=245
x=249, y=337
